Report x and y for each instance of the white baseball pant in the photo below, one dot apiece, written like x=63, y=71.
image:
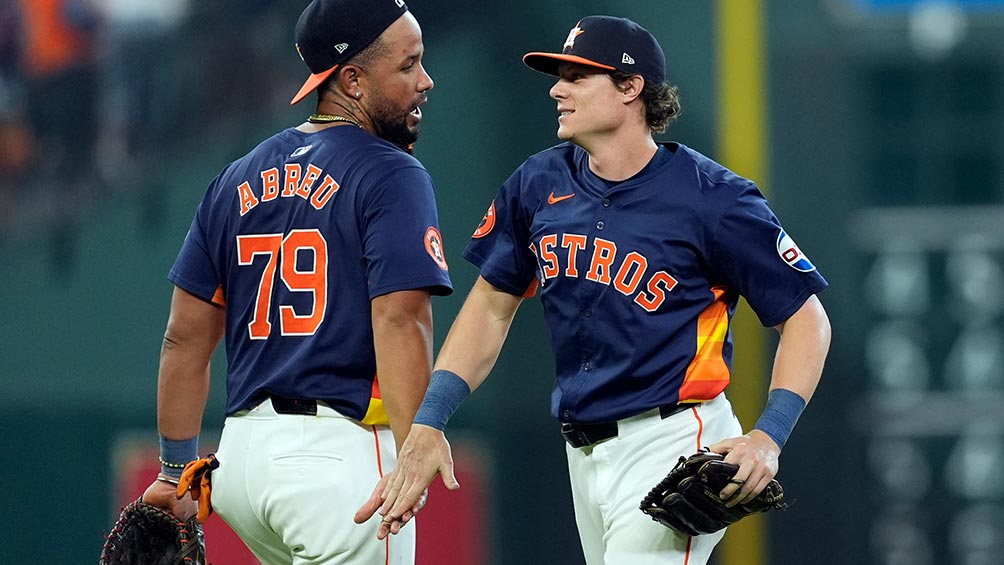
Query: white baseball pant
x=289, y=486
x=610, y=478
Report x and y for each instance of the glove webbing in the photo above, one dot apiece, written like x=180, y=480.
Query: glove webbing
x=656, y=493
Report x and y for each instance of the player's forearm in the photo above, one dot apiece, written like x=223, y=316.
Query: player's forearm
x=798, y=365
x=475, y=340
x=182, y=389
x=402, y=333
x=802, y=349
x=194, y=329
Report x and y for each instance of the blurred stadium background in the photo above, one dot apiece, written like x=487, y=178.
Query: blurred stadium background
x=876, y=127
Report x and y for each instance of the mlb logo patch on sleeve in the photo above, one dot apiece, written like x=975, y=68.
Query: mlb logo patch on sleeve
x=792, y=255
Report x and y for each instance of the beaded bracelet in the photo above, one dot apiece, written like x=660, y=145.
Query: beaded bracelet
x=172, y=465
x=177, y=450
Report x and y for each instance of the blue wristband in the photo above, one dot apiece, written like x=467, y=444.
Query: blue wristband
x=779, y=416
x=175, y=454
x=446, y=391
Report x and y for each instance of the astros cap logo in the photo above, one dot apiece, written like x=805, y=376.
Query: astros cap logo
x=575, y=32
x=614, y=44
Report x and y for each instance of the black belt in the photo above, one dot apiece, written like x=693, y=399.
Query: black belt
x=581, y=435
x=294, y=406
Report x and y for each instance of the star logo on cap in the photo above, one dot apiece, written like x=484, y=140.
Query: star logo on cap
x=570, y=41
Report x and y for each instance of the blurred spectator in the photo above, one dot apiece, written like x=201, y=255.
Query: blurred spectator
x=11, y=85
x=247, y=55
x=58, y=62
x=57, y=59
x=138, y=105
x=15, y=136
x=90, y=97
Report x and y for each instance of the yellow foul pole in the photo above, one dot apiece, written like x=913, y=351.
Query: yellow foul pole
x=742, y=147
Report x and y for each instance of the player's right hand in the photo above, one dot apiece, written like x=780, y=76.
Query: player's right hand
x=401, y=494
x=756, y=454
x=165, y=495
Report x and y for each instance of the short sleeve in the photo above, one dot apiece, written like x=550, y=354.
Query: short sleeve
x=755, y=255
x=500, y=244
x=194, y=269
x=402, y=244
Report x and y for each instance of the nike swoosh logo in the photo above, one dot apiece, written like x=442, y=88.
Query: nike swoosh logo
x=552, y=199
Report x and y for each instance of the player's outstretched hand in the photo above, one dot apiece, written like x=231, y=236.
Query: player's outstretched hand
x=401, y=494
x=165, y=495
x=757, y=457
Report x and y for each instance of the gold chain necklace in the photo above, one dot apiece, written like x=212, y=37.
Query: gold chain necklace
x=329, y=118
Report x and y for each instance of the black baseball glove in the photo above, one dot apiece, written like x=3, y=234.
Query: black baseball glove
x=688, y=500
x=147, y=535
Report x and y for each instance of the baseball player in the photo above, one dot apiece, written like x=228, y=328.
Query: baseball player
x=314, y=256
x=640, y=252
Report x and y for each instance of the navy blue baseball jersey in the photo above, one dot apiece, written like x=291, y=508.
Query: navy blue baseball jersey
x=295, y=239
x=639, y=279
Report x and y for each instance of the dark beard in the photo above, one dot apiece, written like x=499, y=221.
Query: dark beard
x=394, y=129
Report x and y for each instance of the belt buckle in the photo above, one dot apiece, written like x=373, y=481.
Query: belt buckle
x=587, y=434
x=572, y=435
x=294, y=406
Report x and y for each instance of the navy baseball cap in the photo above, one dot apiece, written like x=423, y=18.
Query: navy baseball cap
x=610, y=43
x=330, y=32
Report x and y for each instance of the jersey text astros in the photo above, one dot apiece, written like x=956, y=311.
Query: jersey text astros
x=601, y=254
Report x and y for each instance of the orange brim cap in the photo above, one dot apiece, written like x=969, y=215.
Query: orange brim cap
x=313, y=81
x=548, y=62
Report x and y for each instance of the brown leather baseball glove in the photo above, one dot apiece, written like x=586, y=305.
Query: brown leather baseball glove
x=148, y=535
x=688, y=500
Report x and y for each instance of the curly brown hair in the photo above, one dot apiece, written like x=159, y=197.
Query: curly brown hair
x=662, y=101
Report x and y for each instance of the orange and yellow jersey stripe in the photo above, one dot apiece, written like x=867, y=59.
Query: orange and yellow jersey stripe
x=708, y=374
x=376, y=414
